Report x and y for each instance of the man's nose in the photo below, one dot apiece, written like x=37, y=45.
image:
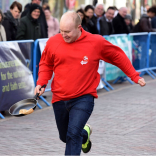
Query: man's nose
x=63, y=34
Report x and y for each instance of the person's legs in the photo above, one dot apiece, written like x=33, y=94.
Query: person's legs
x=62, y=119
x=80, y=111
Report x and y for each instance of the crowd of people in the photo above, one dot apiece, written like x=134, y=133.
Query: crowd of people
x=36, y=21
x=114, y=21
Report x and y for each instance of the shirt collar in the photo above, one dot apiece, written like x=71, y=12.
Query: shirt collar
x=107, y=19
x=83, y=34
x=97, y=17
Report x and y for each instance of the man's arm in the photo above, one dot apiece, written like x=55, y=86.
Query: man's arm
x=116, y=56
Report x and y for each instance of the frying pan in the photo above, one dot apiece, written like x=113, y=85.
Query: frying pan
x=24, y=104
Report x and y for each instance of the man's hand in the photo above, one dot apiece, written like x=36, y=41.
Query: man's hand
x=141, y=82
x=37, y=90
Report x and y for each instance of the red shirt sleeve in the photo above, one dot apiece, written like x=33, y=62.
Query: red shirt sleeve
x=116, y=56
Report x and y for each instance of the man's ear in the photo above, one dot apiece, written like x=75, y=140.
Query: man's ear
x=79, y=27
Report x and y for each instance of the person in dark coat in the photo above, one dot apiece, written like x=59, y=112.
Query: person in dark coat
x=83, y=18
x=106, y=22
x=89, y=11
x=119, y=24
x=11, y=20
x=42, y=19
x=145, y=21
x=87, y=24
x=96, y=19
x=2, y=30
x=153, y=19
x=29, y=26
x=128, y=21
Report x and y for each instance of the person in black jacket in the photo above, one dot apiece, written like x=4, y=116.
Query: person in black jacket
x=89, y=11
x=42, y=19
x=11, y=20
x=119, y=24
x=128, y=21
x=87, y=24
x=29, y=26
x=145, y=21
x=96, y=19
x=106, y=22
x=83, y=18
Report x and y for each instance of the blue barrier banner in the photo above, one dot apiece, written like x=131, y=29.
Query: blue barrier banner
x=152, y=51
x=112, y=72
x=42, y=44
x=26, y=49
x=139, y=51
x=16, y=79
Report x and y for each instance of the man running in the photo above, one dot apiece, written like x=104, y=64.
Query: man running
x=73, y=56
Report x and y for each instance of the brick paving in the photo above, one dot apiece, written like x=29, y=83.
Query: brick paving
x=123, y=121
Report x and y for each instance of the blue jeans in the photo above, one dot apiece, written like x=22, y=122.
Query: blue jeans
x=71, y=117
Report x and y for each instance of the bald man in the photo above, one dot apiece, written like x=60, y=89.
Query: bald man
x=73, y=55
x=119, y=24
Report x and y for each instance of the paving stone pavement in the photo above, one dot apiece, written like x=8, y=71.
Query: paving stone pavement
x=123, y=121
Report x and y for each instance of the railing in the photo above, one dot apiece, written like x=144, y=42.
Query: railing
x=139, y=47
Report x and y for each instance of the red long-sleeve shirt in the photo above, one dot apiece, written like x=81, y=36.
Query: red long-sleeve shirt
x=75, y=65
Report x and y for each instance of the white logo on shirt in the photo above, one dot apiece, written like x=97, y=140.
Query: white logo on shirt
x=85, y=60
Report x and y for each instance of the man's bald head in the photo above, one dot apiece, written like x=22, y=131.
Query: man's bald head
x=70, y=26
x=72, y=17
x=123, y=11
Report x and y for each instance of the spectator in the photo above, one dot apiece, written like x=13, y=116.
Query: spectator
x=87, y=24
x=83, y=19
x=27, y=6
x=53, y=23
x=29, y=26
x=42, y=19
x=116, y=11
x=45, y=6
x=98, y=13
x=2, y=30
x=154, y=18
x=128, y=21
x=89, y=11
x=11, y=20
x=119, y=24
x=145, y=21
x=107, y=26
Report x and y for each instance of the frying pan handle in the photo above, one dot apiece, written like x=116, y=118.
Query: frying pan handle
x=37, y=94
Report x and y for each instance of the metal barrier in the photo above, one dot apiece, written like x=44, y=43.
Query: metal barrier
x=152, y=52
x=1, y=116
x=102, y=72
x=36, y=60
x=31, y=56
x=140, y=52
x=142, y=55
x=122, y=41
x=26, y=49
